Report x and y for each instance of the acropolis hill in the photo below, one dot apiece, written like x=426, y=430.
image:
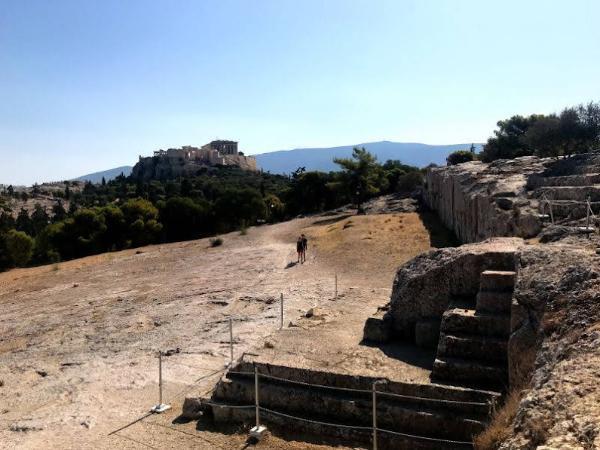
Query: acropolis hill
x=188, y=160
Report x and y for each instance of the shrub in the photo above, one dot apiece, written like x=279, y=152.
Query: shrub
x=19, y=246
x=459, y=157
x=500, y=427
x=216, y=242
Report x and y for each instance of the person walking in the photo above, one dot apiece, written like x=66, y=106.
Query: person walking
x=299, y=248
x=304, y=247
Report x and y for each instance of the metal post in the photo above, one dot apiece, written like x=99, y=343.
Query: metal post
x=336, y=286
x=160, y=377
x=256, y=404
x=259, y=431
x=374, y=416
x=587, y=215
x=281, y=313
x=160, y=407
x=231, y=341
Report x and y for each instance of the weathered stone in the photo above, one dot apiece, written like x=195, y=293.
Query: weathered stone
x=425, y=286
x=378, y=329
x=192, y=408
x=427, y=333
x=497, y=280
x=468, y=321
x=472, y=199
x=494, y=302
x=505, y=203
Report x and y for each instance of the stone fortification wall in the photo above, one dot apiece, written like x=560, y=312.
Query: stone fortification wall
x=478, y=200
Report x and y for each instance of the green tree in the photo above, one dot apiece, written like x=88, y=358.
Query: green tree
x=275, y=208
x=410, y=181
x=141, y=217
x=20, y=247
x=459, y=157
x=235, y=207
x=6, y=221
x=362, y=175
x=508, y=142
x=39, y=219
x=24, y=222
x=545, y=137
x=184, y=219
x=58, y=212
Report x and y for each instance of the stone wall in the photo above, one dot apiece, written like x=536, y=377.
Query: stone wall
x=426, y=285
x=478, y=200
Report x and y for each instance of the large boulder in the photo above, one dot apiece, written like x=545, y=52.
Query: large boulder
x=426, y=285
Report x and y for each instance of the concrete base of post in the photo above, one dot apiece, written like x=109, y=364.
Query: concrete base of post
x=160, y=408
x=259, y=432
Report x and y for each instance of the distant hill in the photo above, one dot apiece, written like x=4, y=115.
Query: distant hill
x=96, y=177
x=415, y=154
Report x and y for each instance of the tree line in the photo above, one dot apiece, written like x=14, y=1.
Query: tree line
x=126, y=212
x=575, y=129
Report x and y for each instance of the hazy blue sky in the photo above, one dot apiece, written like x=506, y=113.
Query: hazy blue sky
x=90, y=85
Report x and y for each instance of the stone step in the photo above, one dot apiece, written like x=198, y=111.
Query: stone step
x=469, y=321
x=497, y=280
x=579, y=193
x=428, y=410
x=569, y=208
x=470, y=372
x=493, y=302
x=473, y=347
x=588, y=179
x=435, y=420
x=331, y=434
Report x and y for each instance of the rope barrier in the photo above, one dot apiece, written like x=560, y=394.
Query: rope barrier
x=338, y=425
x=363, y=391
x=424, y=438
x=224, y=405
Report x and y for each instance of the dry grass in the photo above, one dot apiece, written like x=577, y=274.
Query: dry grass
x=370, y=244
x=500, y=428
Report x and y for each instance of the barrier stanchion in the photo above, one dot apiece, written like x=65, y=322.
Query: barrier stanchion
x=374, y=415
x=281, y=313
x=336, y=286
x=160, y=407
x=259, y=431
x=231, y=341
x=587, y=215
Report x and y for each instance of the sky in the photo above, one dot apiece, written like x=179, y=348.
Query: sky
x=90, y=85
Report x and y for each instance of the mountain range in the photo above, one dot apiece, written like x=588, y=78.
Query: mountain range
x=286, y=161
x=414, y=154
x=109, y=174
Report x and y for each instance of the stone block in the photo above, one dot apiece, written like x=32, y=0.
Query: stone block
x=427, y=333
x=378, y=329
x=494, y=302
x=497, y=280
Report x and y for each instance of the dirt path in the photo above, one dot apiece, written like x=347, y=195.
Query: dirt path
x=78, y=340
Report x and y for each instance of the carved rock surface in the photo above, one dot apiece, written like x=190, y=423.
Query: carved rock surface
x=425, y=286
x=478, y=200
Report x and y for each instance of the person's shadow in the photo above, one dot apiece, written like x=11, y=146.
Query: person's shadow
x=291, y=264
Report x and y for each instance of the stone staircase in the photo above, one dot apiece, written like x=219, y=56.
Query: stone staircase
x=472, y=348
x=568, y=183
x=437, y=413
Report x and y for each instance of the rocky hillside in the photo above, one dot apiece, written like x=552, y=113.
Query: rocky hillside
x=516, y=197
x=552, y=351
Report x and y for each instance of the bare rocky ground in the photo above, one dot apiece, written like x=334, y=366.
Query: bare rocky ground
x=78, y=340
